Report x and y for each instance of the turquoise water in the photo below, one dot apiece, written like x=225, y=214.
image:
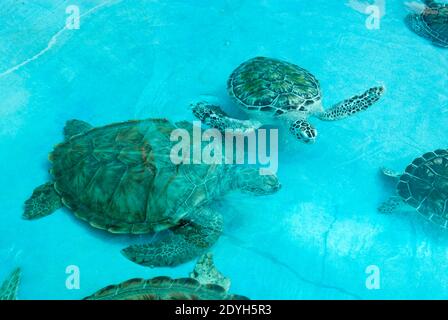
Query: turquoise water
x=138, y=59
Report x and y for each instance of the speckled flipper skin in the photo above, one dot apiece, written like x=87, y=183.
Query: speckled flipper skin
x=206, y=272
x=10, y=286
x=43, y=201
x=303, y=130
x=391, y=205
x=193, y=237
x=214, y=117
x=353, y=105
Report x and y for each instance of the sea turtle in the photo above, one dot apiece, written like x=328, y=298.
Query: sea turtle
x=424, y=186
x=205, y=283
x=269, y=89
x=10, y=287
x=120, y=178
x=430, y=22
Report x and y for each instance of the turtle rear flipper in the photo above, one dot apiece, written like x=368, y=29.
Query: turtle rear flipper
x=353, y=105
x=10, y=286
x=42, y=202
x=194, y=235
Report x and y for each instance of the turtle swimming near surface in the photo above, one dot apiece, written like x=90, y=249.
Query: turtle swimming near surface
x=269, y=89
x=120, y=178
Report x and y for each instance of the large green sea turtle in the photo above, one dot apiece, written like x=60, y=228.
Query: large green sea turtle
x=430, y=22
x=205, y=283
x=269, y=90
x=424, y=186
x=120, y=178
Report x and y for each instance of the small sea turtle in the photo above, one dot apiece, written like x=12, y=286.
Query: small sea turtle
x=205, y=283
x=10, y=287
x=269, y=89
x=430, y=22
x=120, y=178
x=424, y=186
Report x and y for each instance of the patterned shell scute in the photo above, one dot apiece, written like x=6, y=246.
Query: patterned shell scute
x=424, y=185
x=107, y=176
x=272, y=85
x=163, y=288
x=435, y=22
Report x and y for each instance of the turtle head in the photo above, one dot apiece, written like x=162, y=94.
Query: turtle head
x=303, y=131
x=249, y=180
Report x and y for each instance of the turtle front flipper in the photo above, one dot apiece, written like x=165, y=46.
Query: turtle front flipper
x=194, y=235
x=10, y=286
x=391, y=205
x=214, y=117
x=353, y=105
x=74, y=127
x=42, y=202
